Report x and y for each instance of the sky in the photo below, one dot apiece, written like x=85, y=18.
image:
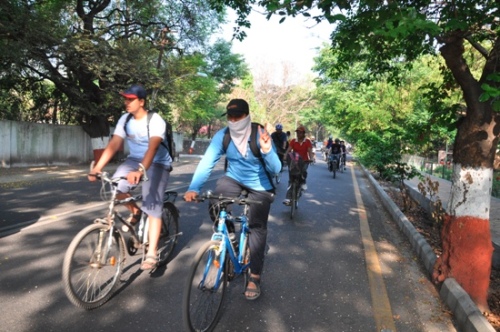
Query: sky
x=269, y=44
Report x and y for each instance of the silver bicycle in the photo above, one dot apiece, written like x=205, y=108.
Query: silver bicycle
x=95, y=258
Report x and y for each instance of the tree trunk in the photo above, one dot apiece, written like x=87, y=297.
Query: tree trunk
x=466, y=237
x=96, y=126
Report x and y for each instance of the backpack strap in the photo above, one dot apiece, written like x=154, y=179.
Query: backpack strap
x=253, y=147
x=129, y=116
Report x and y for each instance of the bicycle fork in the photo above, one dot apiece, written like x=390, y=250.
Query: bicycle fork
x=104, y=243
x=214, y=269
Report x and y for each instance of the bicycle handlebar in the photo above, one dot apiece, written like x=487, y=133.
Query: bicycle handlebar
x=105, y=177
x=226, y=200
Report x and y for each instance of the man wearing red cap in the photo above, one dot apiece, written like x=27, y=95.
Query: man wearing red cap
x=245, y=172
x=303, y=147
x=147, y=155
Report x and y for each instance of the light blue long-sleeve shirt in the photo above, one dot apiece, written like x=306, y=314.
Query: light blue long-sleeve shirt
x=247, y=170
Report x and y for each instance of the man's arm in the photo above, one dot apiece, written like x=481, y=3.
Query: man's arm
x=290, y=148
x=310, y=151
x=114, y=145
x=206, y=165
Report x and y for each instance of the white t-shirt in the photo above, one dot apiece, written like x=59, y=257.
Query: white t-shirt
x=137, y=136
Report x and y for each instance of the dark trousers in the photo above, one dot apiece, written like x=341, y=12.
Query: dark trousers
x=257, y=218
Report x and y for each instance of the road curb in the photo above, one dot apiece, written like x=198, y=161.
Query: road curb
x=467, y=315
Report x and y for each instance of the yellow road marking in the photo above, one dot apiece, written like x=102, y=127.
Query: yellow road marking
x=380, y=301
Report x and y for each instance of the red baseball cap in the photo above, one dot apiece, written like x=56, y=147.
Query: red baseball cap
x=135, y=91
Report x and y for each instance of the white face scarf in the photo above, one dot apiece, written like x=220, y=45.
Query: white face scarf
x=240, y=133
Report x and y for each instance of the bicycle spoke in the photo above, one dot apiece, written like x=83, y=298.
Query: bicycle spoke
x=169, y=233
x=205, y=289
x=91, y=269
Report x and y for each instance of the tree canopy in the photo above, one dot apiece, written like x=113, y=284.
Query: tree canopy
x=79, y=54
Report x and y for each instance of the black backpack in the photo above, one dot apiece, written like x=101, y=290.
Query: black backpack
x=168, y=134
x=253, y=146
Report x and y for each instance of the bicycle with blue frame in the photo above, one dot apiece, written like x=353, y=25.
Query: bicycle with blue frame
x=217, y=262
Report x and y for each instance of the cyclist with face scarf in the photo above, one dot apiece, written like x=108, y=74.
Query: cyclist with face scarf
x=244, y=172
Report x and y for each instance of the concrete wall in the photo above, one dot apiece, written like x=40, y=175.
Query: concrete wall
x=5, y=143
x=25, y=144
x=36, y=144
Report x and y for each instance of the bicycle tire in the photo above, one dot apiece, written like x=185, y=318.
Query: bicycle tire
x=88, y=283
x=334, y=169
x=201, y=308
x=294, y=199
x=169, y=230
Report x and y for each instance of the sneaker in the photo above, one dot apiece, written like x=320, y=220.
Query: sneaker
x=286, y=201
x=303, y=186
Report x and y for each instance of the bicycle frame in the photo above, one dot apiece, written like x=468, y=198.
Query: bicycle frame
x=94, y=259
x=222, y=236
x=139, y=238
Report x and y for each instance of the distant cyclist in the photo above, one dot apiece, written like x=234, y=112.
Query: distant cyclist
x=344, y=153
x=303, y=147
x=326, y=148
x=280, y=140
x=334, y=151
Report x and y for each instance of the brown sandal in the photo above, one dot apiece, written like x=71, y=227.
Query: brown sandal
x=150, y=263
x=254, y=292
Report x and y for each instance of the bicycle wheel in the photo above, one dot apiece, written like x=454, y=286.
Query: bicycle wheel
x=92, y=266
x=294, y=199
x=334, y=168
x=169, y=231
x=201, y=308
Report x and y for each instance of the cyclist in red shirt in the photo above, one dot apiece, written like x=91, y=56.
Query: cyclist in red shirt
x=303, y=147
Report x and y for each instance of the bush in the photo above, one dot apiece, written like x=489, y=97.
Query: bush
x=376, y=153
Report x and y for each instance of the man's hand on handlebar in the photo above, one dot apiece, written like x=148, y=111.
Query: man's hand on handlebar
x=92, y=176
x=191, y=196
x=134, y=177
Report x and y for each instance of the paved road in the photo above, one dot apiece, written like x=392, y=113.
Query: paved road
x=336, y=267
